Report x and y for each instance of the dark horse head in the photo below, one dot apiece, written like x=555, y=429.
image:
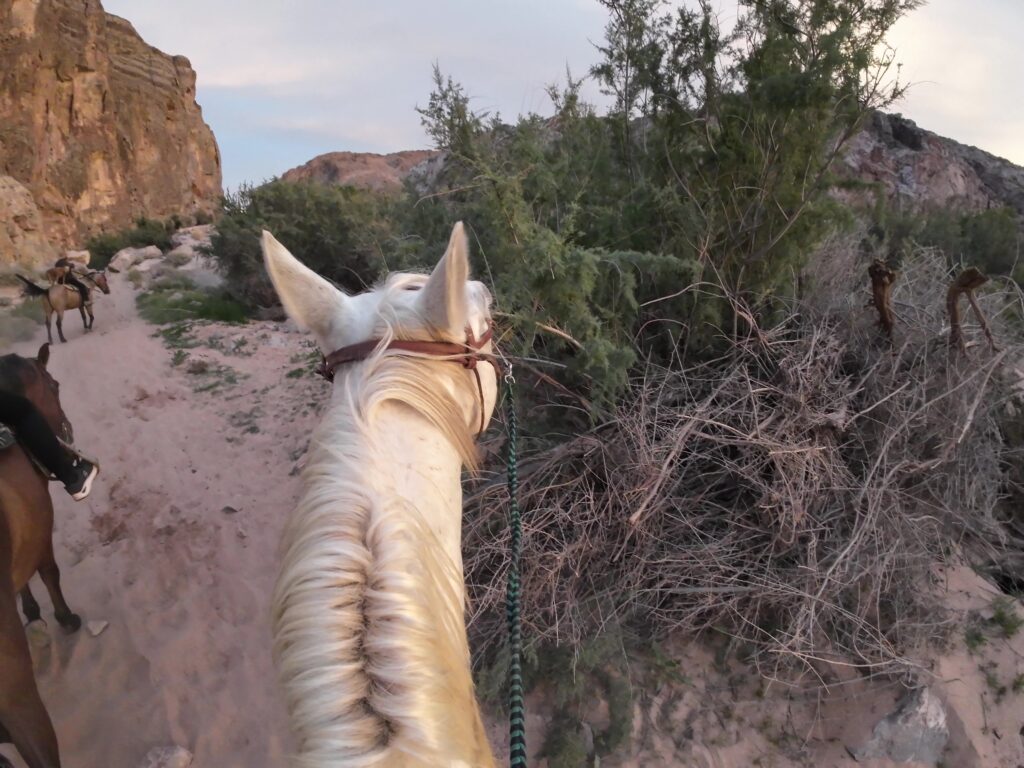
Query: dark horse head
x=30, y=379
x=99, y=277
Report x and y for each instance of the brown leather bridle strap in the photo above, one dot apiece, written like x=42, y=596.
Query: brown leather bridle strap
x=466, y=354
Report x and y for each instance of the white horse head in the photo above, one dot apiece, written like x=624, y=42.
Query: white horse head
x=369, y=627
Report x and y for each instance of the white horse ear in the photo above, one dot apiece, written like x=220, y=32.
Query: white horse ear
x=443, y=298
x=312, y=302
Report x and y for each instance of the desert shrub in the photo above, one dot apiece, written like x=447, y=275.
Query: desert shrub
x=174, y=299
x=795, y=493
x=990, y=240
x=335, y=231
x=144, y=233
x=20, y=322
x=711, y=167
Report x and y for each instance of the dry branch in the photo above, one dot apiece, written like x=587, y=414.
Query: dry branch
x=798, y=491
x=882, y=279
x=969, y=280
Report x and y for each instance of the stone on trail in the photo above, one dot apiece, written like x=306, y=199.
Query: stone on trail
x=96, y=627
x=167, y=757
x=38, y=634
x=180, y=256
x=915, y=732
x=129, y=257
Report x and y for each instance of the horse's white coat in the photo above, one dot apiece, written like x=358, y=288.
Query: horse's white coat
x=368, y=611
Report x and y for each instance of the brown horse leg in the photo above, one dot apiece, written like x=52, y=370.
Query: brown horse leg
x=92, y=317
x=29, y=606
x=50, y=574
x=5, y=738
x=22, y=714
x=85, y=320
x=49, y=333
x=60, y=327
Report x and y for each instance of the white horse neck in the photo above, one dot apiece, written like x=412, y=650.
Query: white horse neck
x=418, y=467
x=369, y=607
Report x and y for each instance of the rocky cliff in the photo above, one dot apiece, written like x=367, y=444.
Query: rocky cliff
x=99, y=127
x=381, y=173
x=919, y=170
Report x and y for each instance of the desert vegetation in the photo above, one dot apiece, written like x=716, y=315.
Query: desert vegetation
x=721, y=436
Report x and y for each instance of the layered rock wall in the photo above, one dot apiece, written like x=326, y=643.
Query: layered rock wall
x=100, y=127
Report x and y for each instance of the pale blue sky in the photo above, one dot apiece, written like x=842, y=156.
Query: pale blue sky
x=281, y=82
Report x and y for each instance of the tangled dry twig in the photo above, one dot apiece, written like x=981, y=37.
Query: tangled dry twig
x=795, y=493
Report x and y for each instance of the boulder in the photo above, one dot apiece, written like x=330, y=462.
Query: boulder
x=78, y=257
x=199, y=235
x=915, y=732
x=180, y=256
x=127, y=258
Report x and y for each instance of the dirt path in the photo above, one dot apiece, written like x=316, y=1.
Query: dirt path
x=175, y=548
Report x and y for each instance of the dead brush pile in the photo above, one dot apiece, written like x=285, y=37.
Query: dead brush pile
x=796, y=493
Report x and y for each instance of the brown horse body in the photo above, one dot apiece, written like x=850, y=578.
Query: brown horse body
x=26, y=547
x=60, y=297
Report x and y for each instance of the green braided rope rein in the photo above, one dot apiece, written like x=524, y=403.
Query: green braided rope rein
x=516, y=707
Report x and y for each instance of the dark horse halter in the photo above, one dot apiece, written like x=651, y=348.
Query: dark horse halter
x=468, y=354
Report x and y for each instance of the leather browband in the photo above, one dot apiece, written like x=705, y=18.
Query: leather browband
x=467, y=354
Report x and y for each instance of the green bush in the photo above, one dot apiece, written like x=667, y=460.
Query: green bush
x=609, y=239
x=175, y=299
x=336, y=231
x=146, y=232
x=989, y=240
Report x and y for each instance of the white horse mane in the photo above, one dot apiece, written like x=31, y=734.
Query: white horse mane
x=368, y=610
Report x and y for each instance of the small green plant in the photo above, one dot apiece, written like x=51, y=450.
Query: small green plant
x=179, y=357
x=15, y=326
x=1005, y=618
x=1017, y=686
x=30, y=309
x=216, y=378
x=992, y=680
x=974, y=638
x=146, y=232
x=168, y=304
x=564, y=746
x=178, y=335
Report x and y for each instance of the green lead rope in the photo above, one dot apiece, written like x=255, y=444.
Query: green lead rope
x=516, y=708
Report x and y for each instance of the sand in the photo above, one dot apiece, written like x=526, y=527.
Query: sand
x=176, y=550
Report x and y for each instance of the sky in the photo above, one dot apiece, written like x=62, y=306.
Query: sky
x=281, y=82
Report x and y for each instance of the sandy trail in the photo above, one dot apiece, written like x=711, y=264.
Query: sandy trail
x=176, y=546
x=199, y=438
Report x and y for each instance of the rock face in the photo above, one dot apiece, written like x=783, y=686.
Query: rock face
x=380, y=173
x=920, y=170
x=22, y=239
x=98, y=126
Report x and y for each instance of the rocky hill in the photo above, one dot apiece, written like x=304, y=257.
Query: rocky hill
x=381, y=173
x=97, y=128
x=919, y=169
